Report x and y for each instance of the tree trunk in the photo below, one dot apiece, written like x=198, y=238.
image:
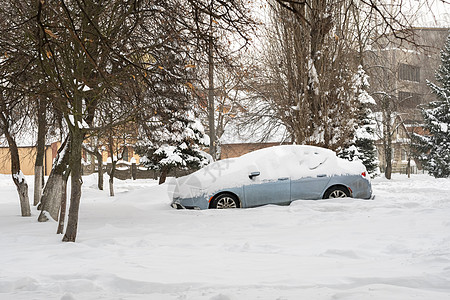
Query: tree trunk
x=387, y=137
x=56, y=184
x=62, y=214
x=99, y=157
x=111, y=185
x=38, y=170
x=112, y=171
x=408, y=167
x=77, y=137
x=22, y=189
x=40, y=152
x=163, y=176
x=17, y=176
x=388, y=153
x=211, y=122
x=113, y=163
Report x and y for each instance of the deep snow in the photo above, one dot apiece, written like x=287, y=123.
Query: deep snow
x=134, y=246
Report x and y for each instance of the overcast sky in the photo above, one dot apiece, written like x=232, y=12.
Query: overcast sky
x=428, y=13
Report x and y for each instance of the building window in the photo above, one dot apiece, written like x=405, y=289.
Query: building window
x=125, y=154
x=409, y=72
x=404, y=155
x=409, y=100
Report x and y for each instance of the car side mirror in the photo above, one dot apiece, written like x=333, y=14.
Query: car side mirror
x=253, y=174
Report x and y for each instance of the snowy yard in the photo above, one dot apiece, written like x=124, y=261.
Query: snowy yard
x=134, y=246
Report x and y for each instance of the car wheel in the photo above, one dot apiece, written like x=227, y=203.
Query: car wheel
x=337, y=192
x=225, y=201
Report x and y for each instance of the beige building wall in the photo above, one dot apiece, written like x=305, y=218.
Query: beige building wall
x=28, y=158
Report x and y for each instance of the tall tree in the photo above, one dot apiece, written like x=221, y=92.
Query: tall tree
x=363, y=143
x=217, y=30
x=437, y=121
x=18, y=81
x=308, y=70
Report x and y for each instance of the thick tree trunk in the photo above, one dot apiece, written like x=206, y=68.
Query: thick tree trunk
x=111, y=178
x=77, y=137
x=62, y=214
x=17, y=176
x=51, y=198
x=111, y=186
x=56, y=184
x=40, y=152
x=38, y=170
x=22, y=189
x=163, y=176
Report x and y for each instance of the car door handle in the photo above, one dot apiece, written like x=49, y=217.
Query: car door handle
x=322, y=175
x=283, y=178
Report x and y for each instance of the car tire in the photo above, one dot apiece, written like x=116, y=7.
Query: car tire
x=225, y=201
x=337, y=192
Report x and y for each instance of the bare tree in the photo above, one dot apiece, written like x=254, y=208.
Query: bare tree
x=17, y=78
x=8, y=110
x=55, y=191
x=218, y=29
x=307, y=70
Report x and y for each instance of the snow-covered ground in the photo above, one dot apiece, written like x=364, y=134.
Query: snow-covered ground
x=134, y=246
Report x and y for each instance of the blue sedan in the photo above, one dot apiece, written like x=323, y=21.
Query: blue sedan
x=275, y=175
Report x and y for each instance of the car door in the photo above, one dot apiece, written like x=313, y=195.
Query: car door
x=260, y=191
x=314, y=179
x=309, y=188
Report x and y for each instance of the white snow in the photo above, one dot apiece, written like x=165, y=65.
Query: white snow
x=20, y=177
x=134, y=246
x=172, y=155
x=81, y=124
x=86, y=88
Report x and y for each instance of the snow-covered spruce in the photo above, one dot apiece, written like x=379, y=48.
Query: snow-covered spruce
x=179, y=148
x=363, y=145
x=436, y=145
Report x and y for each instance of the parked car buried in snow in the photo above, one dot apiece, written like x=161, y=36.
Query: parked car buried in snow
x=275, y=175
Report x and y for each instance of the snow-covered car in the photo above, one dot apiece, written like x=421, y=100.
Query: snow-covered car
x=275, y=175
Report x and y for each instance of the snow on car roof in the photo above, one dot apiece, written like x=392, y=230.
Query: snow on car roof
x=293, y=161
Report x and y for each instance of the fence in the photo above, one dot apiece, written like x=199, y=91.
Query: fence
x=125, y=170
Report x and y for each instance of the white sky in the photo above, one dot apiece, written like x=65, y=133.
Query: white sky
x=427, y=13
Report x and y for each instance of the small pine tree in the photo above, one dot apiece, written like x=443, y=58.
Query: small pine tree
x=363, y=146
x=436, y=157
x=176, y=147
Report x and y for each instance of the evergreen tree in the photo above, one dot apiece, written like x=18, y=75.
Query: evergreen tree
x=176, y=144
x=363, y=145
x=436, y=157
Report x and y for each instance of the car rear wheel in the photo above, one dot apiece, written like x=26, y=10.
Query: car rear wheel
x=337, y=192
x=225, y=201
